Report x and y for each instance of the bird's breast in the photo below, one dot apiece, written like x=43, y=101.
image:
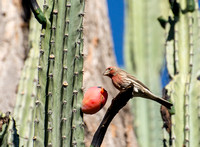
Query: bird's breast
x=120, y=83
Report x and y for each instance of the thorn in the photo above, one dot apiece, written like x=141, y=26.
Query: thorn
x=67, y=21
x=64, y=102
x=34, y=138
x=82, y=124
x=38, y=86
x=74, y=110
x=50, y=129
x=41, y=51
x=74, y=143
x=81, y=14
x=80, y=29
x=39, y=67
x=22, y=93
x=49, y=93
x=41, y=35
x=68, y=5
x=33, y=95
x=50, y=112
x=37, y=102
x=73, y=127
x=65, y=50
x=187, y=128
x=64, y=119
x=45, y=6
x=65, y=67
x=66, y=35
x=53, y=27
x=79, y=42
x=75, y=73
x=52, y=41
x=36, y=121
x=55, y=12
x=52, y=56
x=75, y=92
x=50, y=75
x=65, y=84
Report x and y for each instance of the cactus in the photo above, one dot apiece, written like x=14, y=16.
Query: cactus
x=182, y=58
x=143, y=57
x=50, y=91
x=24, y=108
x=58, y=119
x=8, y=131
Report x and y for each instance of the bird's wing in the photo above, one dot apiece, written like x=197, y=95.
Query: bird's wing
x=140, y=83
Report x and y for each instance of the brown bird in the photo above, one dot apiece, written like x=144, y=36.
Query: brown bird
x=122, y=80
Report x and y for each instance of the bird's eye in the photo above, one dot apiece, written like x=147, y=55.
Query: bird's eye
x=109, y=68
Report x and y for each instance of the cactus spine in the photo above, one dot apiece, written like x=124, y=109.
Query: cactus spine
x=143, y=57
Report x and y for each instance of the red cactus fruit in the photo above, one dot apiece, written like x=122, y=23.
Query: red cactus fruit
x=94, y=99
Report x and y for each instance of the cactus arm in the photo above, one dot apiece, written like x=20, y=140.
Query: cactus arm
x=8, y=131
x=41, y=97
x=143, y=53
x=57, y=72
x=77, y=122
x=195, y=83
x=72, y=75
x=184, y=85
x=27, y=88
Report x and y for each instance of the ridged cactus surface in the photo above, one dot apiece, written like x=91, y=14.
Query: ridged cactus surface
x=143, y=58
x=24, y=108
x=8, y=131
x=50, y=92
x=182, y=57
x=59, y=88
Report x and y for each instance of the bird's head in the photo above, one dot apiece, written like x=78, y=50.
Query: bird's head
x=110, y=71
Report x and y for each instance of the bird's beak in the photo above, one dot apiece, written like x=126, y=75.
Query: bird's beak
x=106, y=73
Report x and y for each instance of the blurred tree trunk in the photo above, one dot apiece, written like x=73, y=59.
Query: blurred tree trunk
x=99, y=54
x=12, y=52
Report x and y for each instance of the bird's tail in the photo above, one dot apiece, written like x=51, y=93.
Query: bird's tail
x=163, y=102
x=149, y=95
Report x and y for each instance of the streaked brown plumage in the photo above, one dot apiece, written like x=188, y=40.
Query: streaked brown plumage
x=121, y=80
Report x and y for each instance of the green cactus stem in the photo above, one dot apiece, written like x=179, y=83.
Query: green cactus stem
x=59, y=91
x=24, y=109
x=40, y=125
x=183, y=88
x=8, y=131
x=143, y=58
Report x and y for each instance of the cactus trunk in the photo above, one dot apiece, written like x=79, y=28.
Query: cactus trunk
x=50, y=92
x=182, y=56
x=143, y=58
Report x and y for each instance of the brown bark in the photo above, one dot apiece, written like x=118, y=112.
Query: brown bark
x=11, y=52
x=98, y=48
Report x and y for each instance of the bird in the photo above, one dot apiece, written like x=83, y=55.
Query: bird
x=123, y=80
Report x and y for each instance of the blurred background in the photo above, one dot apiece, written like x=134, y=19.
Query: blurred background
x=156, y=41
x=116, y=16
